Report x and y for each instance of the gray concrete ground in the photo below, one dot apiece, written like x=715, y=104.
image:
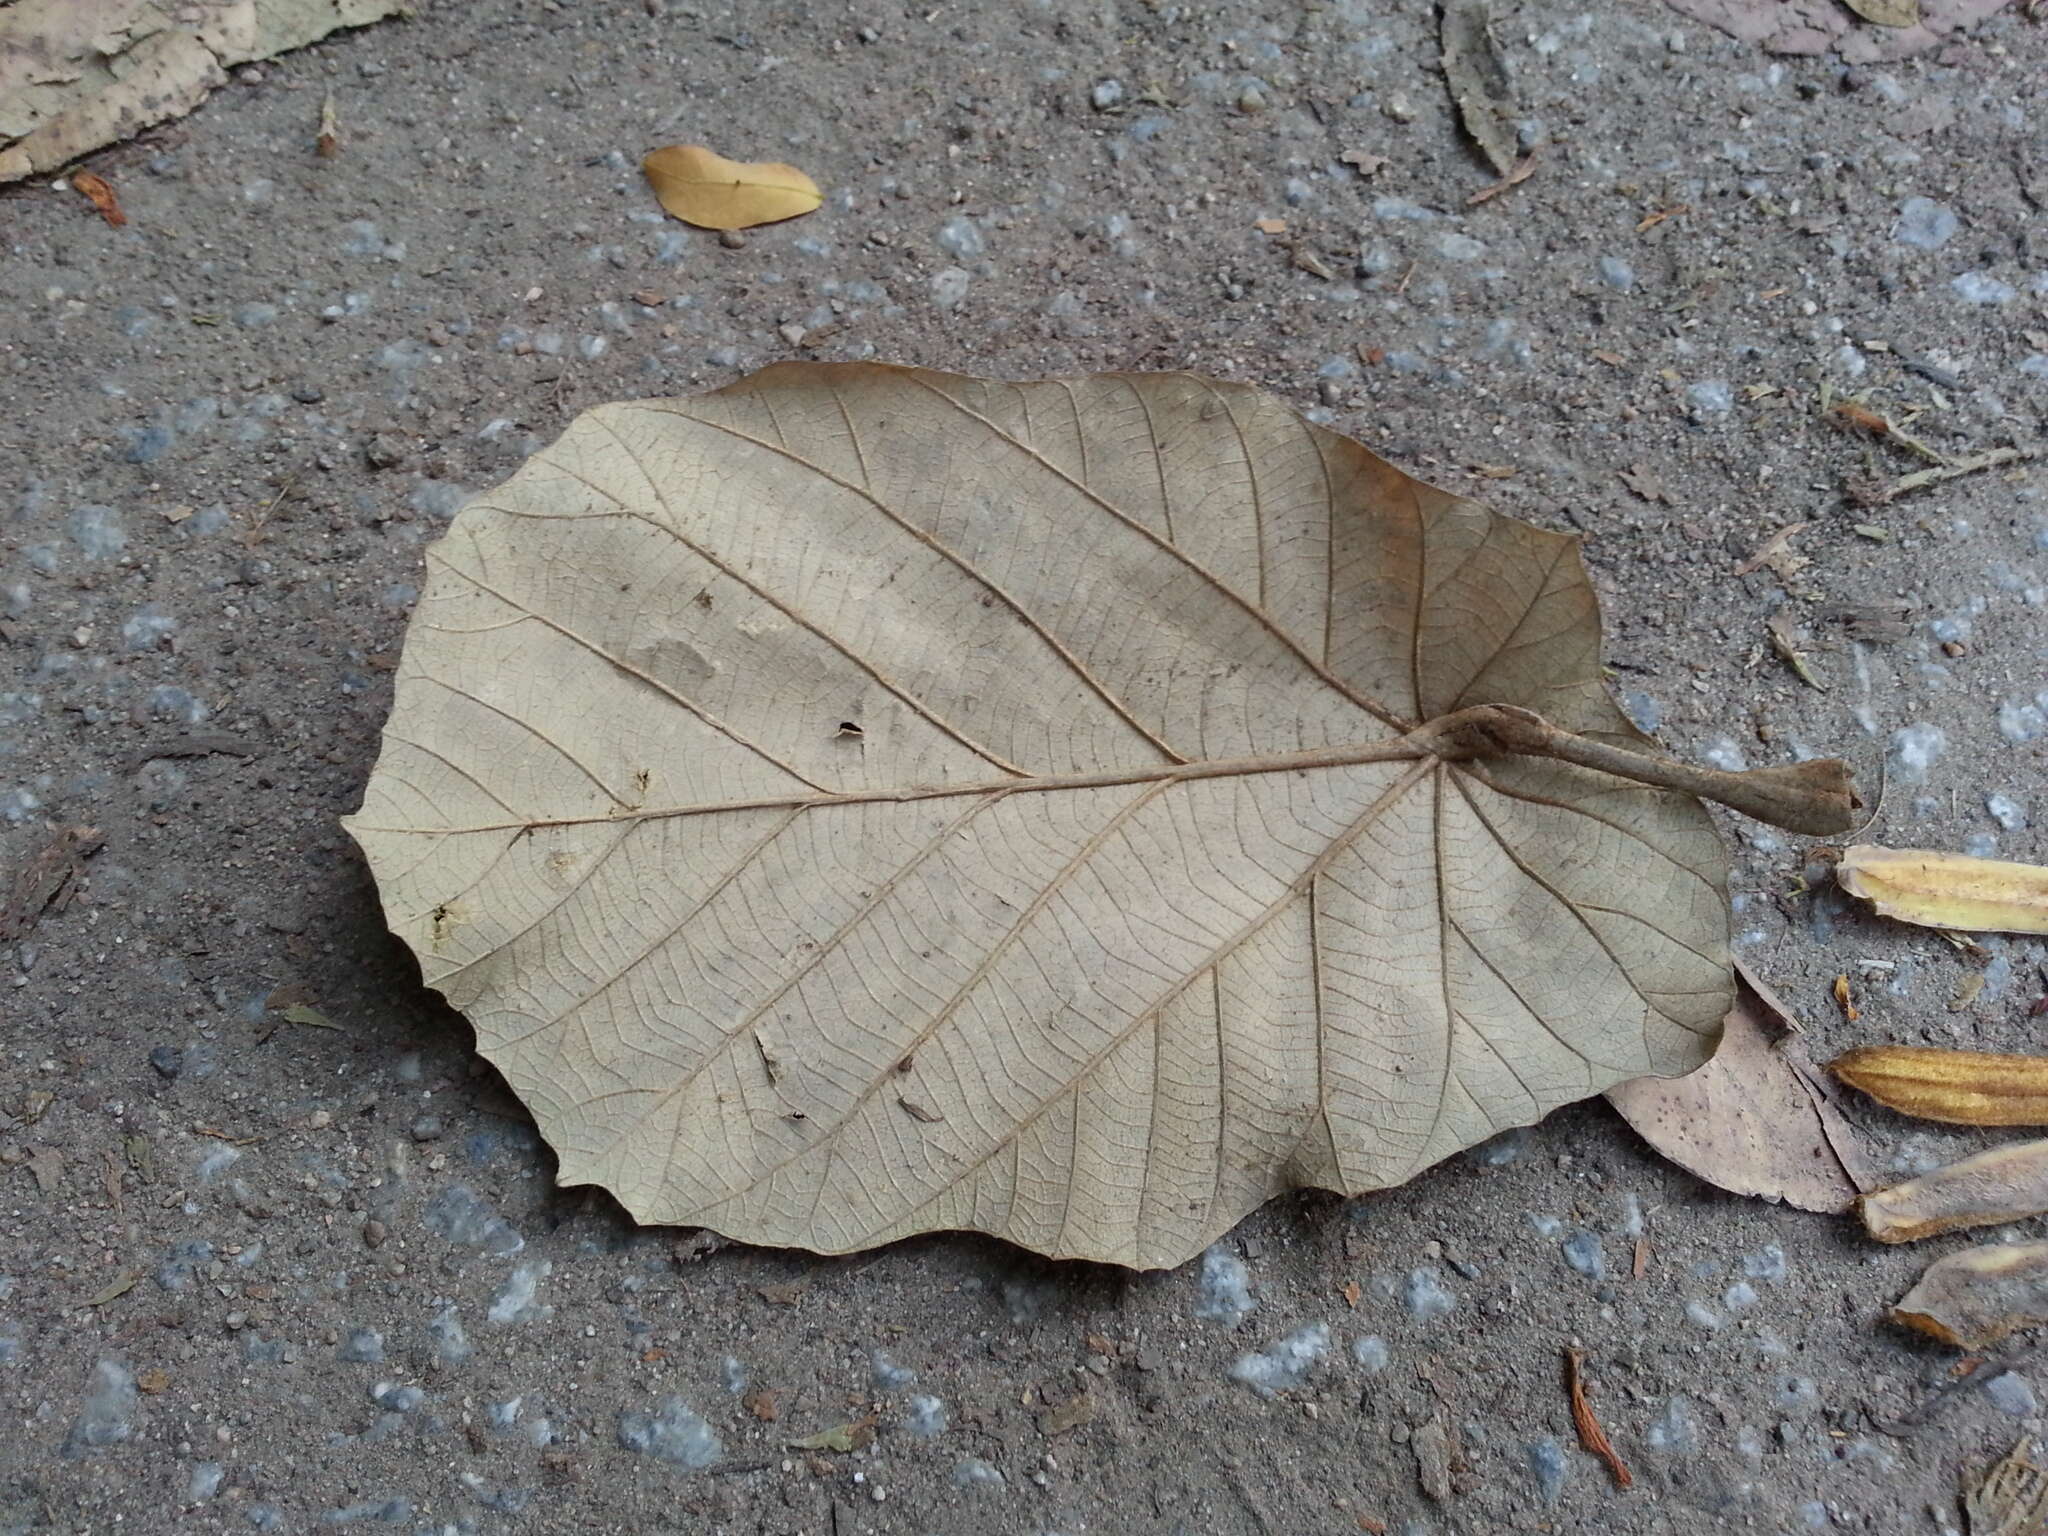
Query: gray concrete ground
x=230, y=427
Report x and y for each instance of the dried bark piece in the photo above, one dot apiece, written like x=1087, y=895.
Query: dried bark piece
x=48, y=881
x=1757, y=1119
x=1958, y=1087
x=1478, y=82
x=2007, y=1183
x=1975, y=1298
x=1947, y=890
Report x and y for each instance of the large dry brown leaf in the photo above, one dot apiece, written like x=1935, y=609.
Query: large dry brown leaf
x=865, y=801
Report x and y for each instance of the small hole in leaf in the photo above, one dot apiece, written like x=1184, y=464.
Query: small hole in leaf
x=848, y=728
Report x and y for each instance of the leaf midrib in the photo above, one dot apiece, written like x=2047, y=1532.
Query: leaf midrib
x=1388, y=749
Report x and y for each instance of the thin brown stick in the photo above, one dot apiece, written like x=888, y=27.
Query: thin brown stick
x=1591, y=1435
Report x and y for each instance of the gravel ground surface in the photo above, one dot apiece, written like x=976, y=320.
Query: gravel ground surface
x=257, y=1274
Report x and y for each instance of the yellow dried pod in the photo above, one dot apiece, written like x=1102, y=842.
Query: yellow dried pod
x=2007, y=1183
x=1947, y=890
x=1959, y=1087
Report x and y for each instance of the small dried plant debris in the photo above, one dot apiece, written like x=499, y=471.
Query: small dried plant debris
x=2012, y=1498
x=1591, y=1435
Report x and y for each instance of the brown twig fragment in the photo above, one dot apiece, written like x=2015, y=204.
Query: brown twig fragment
x=1591, y=1435
x=1524, y=169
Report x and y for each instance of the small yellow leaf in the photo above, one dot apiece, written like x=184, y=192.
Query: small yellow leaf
x=1947, y=890
x=712, y=192
x=1959, y=1087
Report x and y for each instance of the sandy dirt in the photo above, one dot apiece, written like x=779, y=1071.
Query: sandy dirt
x=259, y=1274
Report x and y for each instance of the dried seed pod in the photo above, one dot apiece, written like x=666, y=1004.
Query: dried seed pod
x=1959, y=1087
x=1947, y=890
x=2005, y=1184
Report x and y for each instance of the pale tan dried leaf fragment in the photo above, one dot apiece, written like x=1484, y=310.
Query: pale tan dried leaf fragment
x=77, y=75
x=1975, y=1298
x=1757, y=1119
x=708, y=190
x=1115, y=879
x=2007, y=1183
x=1947, y=890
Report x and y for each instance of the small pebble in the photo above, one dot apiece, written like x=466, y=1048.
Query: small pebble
x=107, y=1416
x=1710, y=398
x=1287, y=1364
x=1507, y=1147
x=949, y=287
x=363, y=1346
x=925, y=1416
x=960, y=237
x=1426, y=1296
x=2012, y=1393
x=732, y=240
x=1768, y=1264
x=451, y=1341
x=1982, y=288
x=1548, y=1465
x=673, y=1433
x=1107, y=94
x=1914, y=750
x=374, y=1233
x=2009, y=812
x=1583, y=1251
x=168, y=1060
x=1223, y=1288
x=888, y=1375
x=1925, y=223
x=515, y=1301
x=1676, y=1433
